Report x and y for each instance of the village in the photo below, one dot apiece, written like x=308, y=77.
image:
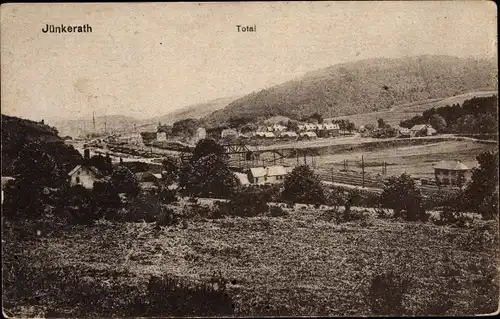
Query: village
x=241, y=160
x=255, y=163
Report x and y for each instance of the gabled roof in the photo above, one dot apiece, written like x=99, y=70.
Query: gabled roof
x=288, y=133
x=258, y=171
x=418, y=127
x=310, y=134
x=331, y=126
x=451, y=165
x=88, y=167
x=74, y=170
x=243, y=178
x=276, y=170
x=144, y=176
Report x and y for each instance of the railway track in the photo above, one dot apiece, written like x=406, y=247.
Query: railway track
x=371, y=182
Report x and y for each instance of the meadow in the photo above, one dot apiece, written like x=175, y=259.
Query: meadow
x=301, y=263
x=396, y=114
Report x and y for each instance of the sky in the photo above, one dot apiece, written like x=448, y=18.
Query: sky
x=146, y=59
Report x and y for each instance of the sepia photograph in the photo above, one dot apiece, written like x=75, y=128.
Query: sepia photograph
x=249, y=159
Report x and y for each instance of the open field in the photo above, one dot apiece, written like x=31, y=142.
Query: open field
x=299, y=264
x=416, y=160
x=396, y=114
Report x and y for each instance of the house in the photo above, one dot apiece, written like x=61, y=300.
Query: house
x=5, y=181
x=267, y=175
x=161, y=136
x=308, y=135
x=329, y=130
x=451, y=173
x=265, y=134
x=431, y=131
x=403, y=131
x=201, y=133
x=147, y=180
x=422, y=130
x=85, y=176
x=288, y=134
x=301, y=127
x=243, y=178
x=133, y=138
x=229, y=132
x=279, y=128
x=310, y=127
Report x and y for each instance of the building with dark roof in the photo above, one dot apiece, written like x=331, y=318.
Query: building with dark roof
x=451, y=173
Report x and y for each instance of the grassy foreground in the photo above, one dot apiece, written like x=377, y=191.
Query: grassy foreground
x=298, y=264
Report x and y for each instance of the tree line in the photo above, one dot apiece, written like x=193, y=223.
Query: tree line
x=475, y=116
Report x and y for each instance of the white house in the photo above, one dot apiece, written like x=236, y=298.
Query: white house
x=265, y=134
x=267, y=175
x=288, y=134
x=451, y=173
x=310, y=127
x=85, y=176
x=201, y=133
x=308, y=135
x=279, y=128
x=229, y=132
x=422, y=130
x=161, y=136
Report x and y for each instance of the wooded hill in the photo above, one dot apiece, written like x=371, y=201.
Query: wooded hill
x=22, y=138
x=364, y=86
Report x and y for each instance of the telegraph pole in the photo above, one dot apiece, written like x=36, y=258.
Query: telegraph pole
x=332, y=173
x=363, y=169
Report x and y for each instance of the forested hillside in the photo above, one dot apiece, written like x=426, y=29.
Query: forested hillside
x=475, y=116
x=21, y=139
x=364, y=86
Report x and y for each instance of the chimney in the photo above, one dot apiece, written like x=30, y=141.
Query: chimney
x=86, y=154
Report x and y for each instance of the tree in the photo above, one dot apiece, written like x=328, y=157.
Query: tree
x=316, y=117
x=207, y=147
x=208, y=176
x=381, y=123
x=171, y=167
x=369, y=127
x=207, y=173
x=303, y=186
x=482, y=191
x=124, y=181
x=401, y=194
x=185, y=127
x=438, y=123
x=36, y=166
x=103, y=164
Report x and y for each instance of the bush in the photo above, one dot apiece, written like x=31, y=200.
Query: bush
x=167, y=196
x=450, y=217
x=401, y=194
x=173, y=297
x=383, y=213
x=276, y=211
x=386, y=293
x=248, y=202
x=167, y=217
x=303, y=186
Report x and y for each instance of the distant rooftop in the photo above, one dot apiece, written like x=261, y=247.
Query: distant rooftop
x=452, y=166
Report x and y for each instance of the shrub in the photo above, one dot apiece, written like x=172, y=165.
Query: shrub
x=383, y=213
x=276, y=211
x=167, y=217
x=450, y=217
x=402, y=195
x=173, y=297
x=248, y=202
x=167, y=196
x=303, y=186
x=386, y=293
